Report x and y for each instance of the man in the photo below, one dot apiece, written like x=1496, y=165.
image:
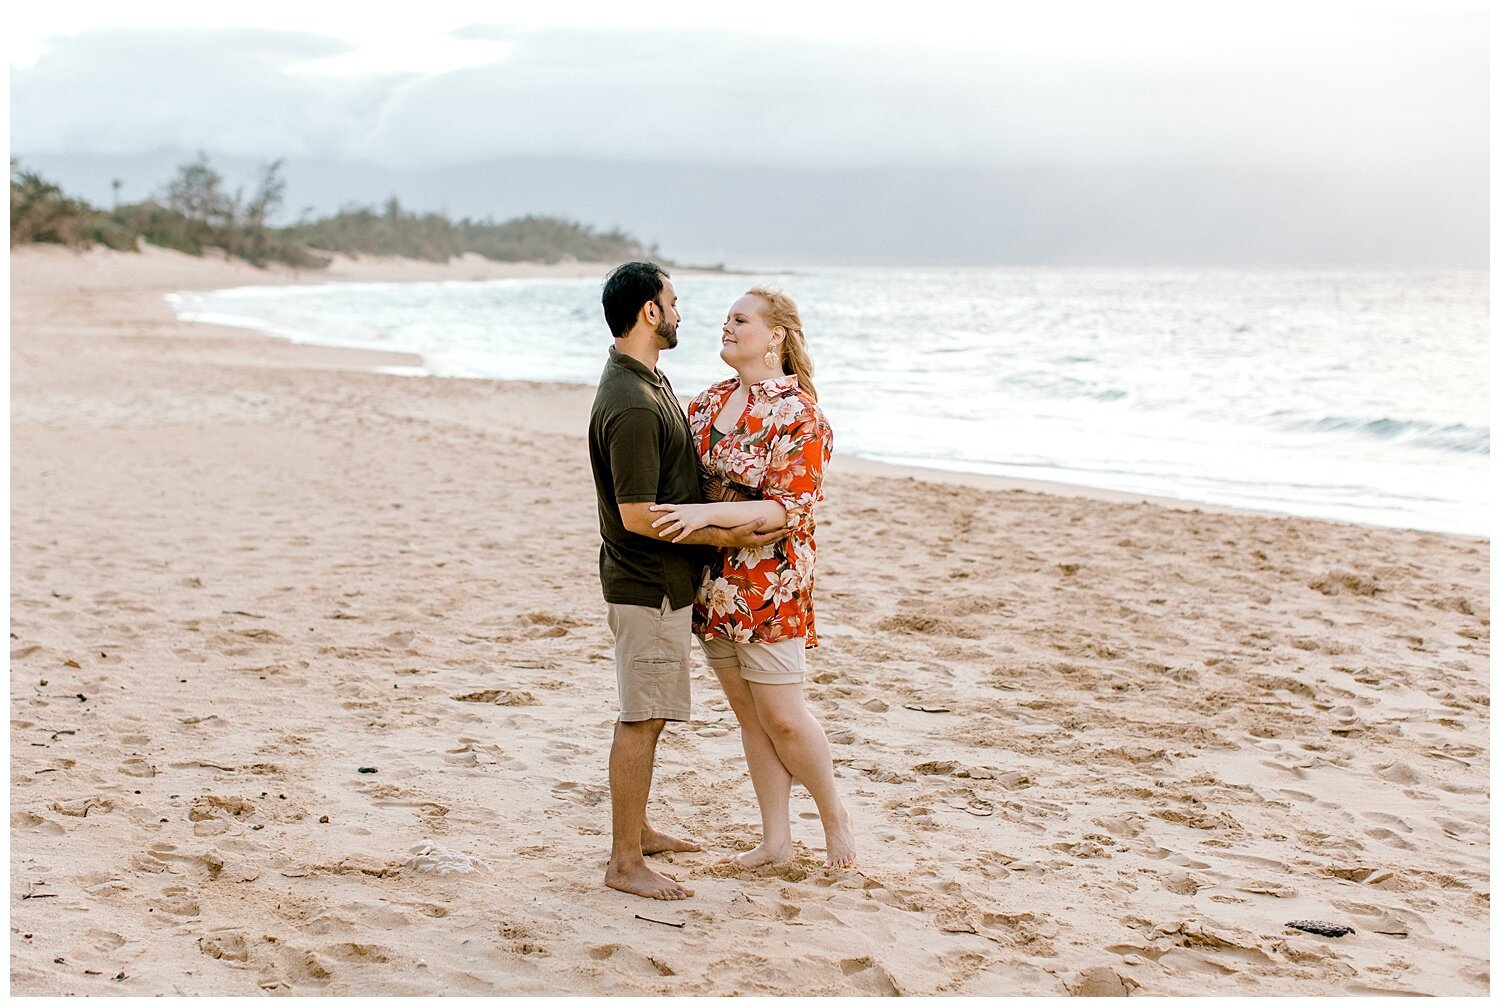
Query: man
x=642, y=453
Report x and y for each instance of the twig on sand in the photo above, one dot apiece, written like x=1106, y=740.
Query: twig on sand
x=662, y=922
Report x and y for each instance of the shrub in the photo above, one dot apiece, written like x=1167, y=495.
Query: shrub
x=195, y=211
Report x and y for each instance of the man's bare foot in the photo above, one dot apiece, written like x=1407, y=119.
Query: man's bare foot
x=765, y=853
x=838, y=837
x=643, y=881
x=659, y=842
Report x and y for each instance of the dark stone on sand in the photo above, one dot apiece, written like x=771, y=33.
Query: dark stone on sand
x=1321, y=929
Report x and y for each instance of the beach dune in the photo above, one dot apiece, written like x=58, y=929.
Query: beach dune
x=311, y=692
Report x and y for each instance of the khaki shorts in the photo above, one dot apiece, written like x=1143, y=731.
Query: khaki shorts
x=653, y=662
x=781, y=663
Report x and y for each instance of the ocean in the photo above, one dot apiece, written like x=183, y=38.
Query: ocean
x=1358, y=396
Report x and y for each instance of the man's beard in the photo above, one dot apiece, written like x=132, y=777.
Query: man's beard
x=666, y=330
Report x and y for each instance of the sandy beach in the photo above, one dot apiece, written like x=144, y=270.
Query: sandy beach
x=278, y=620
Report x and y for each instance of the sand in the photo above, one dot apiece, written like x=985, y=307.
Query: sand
x=1091, y=744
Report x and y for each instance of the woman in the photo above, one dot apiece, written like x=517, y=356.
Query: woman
x=763, y=443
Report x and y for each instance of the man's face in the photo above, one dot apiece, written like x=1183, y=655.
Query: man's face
x=666, y=303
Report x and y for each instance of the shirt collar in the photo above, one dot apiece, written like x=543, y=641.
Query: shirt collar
x=628, y=362
x=779, y=385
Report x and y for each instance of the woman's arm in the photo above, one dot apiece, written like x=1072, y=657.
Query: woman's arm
x=794, y=472
x=799, y=450
x=681, y=520
x=637, y=518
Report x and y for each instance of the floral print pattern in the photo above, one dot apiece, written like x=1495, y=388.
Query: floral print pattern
x=777, y=451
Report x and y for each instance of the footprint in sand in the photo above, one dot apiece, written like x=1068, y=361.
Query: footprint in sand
x=1127, y=825
x=1361, y=875
x=427, y=809
x=210, y=806
x=164, y=857
x=30, y=821
x=138, y=767
x=1398, y=772
x=867, y=977
x=1156, y=852
x=474, y=752
x=1298, y=795
x=635, y=961
x=498, y=697
x=908, y=900
x=1031, y=933
x=580, y=793
x=403, y=639
x=1276, y=889
x=176, y=901
x=1389, y=922
x=83, y=807
x=1454, y=829
x=227, y=945
x=1389, y=838
x=105, y=940
x=428, y=857
x=1100, y=981
x=351, y=951
x=387, y=914
x=1394, y=822
x=286, y=967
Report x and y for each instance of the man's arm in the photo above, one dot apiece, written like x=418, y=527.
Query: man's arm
x=637, y=518
x=739, y=537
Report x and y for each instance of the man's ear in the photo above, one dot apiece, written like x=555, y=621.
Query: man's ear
x=651, y=309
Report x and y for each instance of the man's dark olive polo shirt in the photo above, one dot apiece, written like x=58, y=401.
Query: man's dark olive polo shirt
x=642, y=452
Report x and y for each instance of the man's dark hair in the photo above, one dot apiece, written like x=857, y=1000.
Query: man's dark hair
x=628, y=287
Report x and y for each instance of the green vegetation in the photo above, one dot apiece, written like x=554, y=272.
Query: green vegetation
x=40, y=212
x=361, y=230
x=195, y=211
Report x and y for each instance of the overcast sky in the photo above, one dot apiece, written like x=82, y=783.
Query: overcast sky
x=1342, y=92
x=470, y=82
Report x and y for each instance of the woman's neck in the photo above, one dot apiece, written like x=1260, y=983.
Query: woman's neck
x=754, y=374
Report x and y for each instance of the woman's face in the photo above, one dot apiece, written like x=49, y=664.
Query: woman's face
x=746, y=336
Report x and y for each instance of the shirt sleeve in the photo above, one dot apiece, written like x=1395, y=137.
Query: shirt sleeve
x=794, y=473
x=634, y=442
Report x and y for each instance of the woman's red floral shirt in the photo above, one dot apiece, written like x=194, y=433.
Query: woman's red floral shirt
x=776, y=451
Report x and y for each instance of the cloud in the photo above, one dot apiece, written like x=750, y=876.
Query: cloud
x=483, y=32
x=232, y=90
x=1399, y=93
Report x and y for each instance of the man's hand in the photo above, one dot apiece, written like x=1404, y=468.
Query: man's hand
x=739, y=537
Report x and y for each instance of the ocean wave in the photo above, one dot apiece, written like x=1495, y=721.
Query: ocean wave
x=1125, y=383
x=1458, y=438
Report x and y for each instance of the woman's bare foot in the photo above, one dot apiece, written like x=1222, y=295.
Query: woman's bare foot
x=765, y=853
x=659, y=842
x=838, y=837
x=643, y=881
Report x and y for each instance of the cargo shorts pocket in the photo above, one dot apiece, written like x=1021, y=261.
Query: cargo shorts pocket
x=656, y=687
x=653, y=668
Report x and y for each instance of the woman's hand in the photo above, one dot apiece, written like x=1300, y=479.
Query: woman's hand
x=678, y=521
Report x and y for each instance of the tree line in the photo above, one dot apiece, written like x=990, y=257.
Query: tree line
x=196, y=210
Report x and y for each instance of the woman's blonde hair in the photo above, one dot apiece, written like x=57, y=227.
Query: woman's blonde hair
x=782, y=310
